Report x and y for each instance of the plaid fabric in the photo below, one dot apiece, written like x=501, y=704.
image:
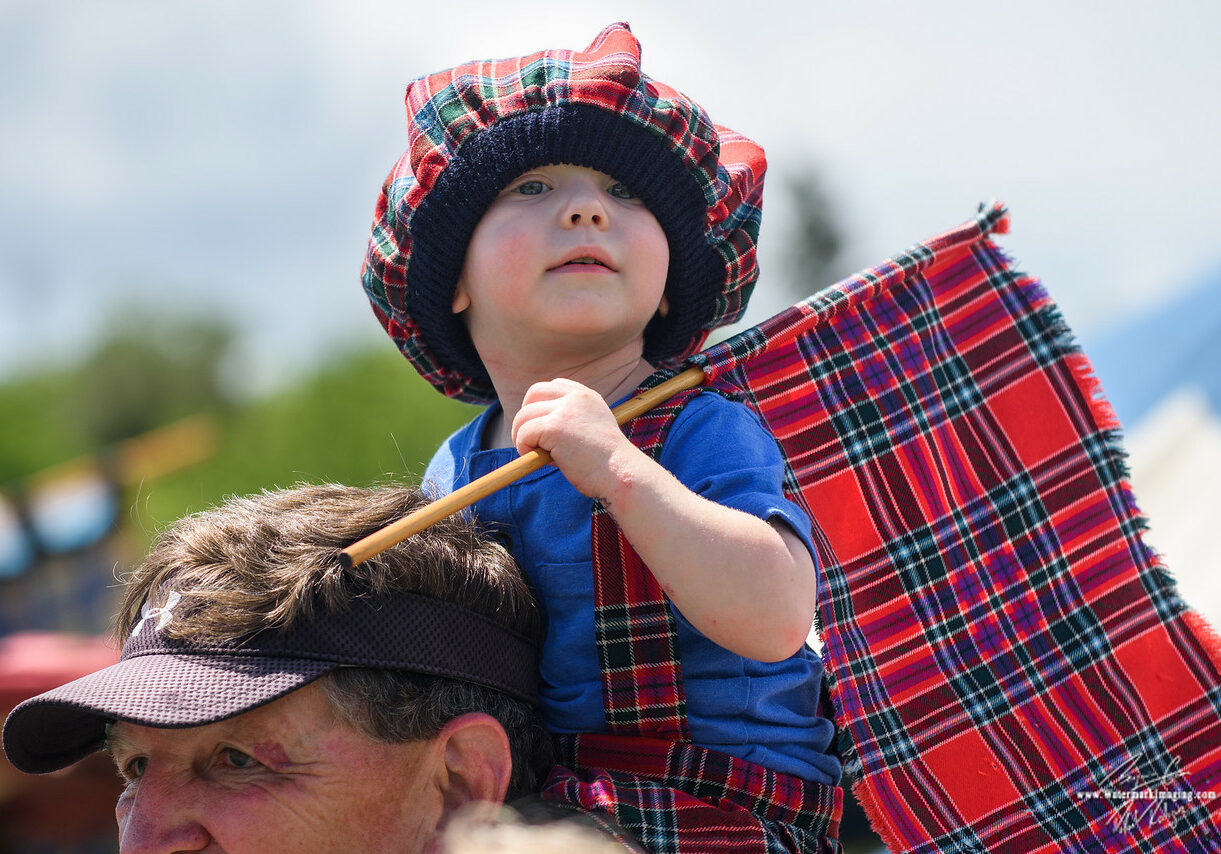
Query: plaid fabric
x=673, y=795
x=642, y=692
x=677, y=797
x=1007, y=658
x=473, y=128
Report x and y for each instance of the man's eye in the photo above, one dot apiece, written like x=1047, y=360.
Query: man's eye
x=135, y=768
x=620, y=191
x=236, y=759
x=530, y=188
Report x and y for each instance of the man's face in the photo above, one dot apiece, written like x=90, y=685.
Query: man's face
x=288, y=776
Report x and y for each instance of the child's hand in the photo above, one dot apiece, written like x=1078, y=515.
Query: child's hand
x=574, y=424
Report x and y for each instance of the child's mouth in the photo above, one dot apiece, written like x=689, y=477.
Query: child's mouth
x=588, y=260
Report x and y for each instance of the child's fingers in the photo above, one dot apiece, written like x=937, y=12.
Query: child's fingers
x=554, y=389
x=560, y=395
x=529, y=426
x=539, y=401
x=537, y=404
x=546, y=424
x=554, y=412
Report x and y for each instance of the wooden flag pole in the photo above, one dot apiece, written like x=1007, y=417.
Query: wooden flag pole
x=413, y=523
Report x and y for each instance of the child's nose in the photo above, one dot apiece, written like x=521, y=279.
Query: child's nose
x=584, y=206
x=594, y=218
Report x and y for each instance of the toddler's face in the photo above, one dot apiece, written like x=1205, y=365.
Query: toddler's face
x=565, y=259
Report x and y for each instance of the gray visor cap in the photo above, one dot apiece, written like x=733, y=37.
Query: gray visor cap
x=161, y=682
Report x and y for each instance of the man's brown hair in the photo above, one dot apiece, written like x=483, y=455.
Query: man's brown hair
x=272, y=559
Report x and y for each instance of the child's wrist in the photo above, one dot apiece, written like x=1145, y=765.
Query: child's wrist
x=630, y=471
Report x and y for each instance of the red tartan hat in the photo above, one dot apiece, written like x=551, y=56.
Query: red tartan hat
x=474, y=128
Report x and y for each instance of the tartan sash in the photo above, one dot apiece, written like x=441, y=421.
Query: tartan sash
x=674, y=796
x=1013, y=668
x=642, y=690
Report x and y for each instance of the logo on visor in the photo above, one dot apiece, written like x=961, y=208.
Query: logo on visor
x=162, y=614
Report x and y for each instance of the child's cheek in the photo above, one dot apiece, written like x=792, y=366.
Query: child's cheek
x=503, y=243
x=521, y=243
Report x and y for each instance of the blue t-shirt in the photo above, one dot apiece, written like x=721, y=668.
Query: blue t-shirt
x=765, y=712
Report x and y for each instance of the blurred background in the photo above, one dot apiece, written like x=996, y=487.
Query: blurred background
x=185, y=192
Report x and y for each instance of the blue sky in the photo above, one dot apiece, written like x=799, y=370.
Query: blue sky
x=225, y=157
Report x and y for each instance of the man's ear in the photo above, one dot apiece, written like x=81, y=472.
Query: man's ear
x=462, y=300
x=477, y=761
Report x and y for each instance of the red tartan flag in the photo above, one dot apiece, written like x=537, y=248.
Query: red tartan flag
x=1011, y=668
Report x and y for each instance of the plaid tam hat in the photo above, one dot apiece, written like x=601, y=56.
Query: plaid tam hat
x=161, y=681
x=474, y=128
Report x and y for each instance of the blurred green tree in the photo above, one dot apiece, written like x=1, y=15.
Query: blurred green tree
x=37, y=423
x=365, y=418
x=148, y=371
x=815, y=246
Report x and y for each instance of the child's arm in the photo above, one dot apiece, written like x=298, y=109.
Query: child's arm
x=744, y=583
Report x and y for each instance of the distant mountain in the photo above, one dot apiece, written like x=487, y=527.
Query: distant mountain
x=1172, y=346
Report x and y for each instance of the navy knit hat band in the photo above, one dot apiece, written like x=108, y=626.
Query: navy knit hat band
x=574, y=134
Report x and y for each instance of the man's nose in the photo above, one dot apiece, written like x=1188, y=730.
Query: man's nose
x=584, y=204
x=159, y=816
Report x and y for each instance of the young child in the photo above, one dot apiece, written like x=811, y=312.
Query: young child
x=561, y=228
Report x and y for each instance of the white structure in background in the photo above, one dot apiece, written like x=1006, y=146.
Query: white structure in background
x=1159, y=370
x=1175, y=460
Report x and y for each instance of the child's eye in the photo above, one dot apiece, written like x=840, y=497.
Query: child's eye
x=620, y=191
x=530, y=188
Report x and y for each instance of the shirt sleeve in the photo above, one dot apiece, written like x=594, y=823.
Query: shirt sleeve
x=719, y=449
x=448, y=470
x=438, y=479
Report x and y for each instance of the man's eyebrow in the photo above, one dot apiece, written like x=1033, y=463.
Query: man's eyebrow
x=115, y=741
